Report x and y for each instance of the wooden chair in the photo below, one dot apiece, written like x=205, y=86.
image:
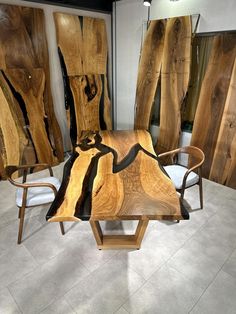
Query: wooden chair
x=185, y=177
x=33, y=192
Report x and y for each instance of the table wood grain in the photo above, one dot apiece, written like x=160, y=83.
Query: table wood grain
x=115, y=175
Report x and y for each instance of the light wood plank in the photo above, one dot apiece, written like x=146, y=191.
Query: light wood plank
x=69, y=39
x=149, y=72
x=175, y=75
x=31, y=87
x=95, y=46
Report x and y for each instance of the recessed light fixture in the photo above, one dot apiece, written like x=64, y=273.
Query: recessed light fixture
x=147, y=3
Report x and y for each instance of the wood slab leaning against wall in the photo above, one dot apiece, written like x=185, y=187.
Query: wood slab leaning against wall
x=165, y=60
x=82, y=47
x=215, y=97
x=223, y=168
x=29, y=129
x=149, y=72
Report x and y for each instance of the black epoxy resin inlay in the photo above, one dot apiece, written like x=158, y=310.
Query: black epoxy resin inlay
x=84, y=203
x=69, y=100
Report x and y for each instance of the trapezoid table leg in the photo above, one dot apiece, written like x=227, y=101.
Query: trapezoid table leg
x=119, y=241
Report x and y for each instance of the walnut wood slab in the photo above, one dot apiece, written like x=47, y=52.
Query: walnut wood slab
x=149, y=72
x=115, y=175
x=30, y=85
x=23, y=48
x=223, y=168
x=212, y=98
x=175, y=75
x=13, y=138
x=82, y=47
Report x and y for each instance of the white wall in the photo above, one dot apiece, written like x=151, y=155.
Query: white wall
x=216, y=15
x=55, y=69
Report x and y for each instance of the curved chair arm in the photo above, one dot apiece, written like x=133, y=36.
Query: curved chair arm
x=25, y=186
x=11, y=169
x=169, y=153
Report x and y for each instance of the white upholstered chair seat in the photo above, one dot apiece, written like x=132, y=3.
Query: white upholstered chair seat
x=38, y=195
x=177, y=172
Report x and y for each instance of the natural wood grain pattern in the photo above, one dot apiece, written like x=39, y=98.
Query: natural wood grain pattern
x=213, y=96
x=70, y=42
x=87, y=92
x=115, y=175
x=149, y=72
x=223, y=168
x=35, y=23
x=24, y=48
x=83, y=43
x=30, y=85
x=174, y=80
x=82, y=46
x=14, y=139
x=17, y=48
x=95, y=46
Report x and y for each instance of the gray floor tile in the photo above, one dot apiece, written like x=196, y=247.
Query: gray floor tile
x=47, y=283
x=195, y=265
x=169, y=239
x=58, y=307
x=219, y=297
x=51, y=273
x=199, y=245
x=14, y=264
x=104, y=290
x=9, y=233
x=121, y=311
x=220, y=230
x=47, y=242
x=149, y=258
x=167, y=291
x=7, y=303
x=86, y=251
x=230, y=265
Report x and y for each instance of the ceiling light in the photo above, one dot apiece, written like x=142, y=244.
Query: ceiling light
x=147, y=3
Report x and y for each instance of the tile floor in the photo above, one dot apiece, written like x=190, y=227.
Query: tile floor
x=188, y=267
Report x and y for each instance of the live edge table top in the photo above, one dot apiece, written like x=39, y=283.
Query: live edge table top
x=115, y=175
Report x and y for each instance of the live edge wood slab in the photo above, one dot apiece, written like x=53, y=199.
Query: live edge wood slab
x=116, y=175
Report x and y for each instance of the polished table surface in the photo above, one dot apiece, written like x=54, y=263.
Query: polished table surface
x=115, y=175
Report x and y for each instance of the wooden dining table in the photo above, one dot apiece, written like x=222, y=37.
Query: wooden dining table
x=116, y=175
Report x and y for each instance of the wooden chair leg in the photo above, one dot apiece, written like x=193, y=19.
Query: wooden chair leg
x=201, y=193
x=19, y=212
x=22, y=216
x=62, y=228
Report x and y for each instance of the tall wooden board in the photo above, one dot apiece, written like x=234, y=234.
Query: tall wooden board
x=24, y=50
x=223, y=168
x=149, y=72
x=174, y=80
x=212, y=97
x=82, y=46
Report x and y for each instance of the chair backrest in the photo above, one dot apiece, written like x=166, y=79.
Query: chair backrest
x=196, y=155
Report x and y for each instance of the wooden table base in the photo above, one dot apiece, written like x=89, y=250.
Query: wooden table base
x=119, y=241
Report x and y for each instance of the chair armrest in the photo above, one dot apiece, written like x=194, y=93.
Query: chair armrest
x=36, y=185
x=169, y=153
x=10, y=170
